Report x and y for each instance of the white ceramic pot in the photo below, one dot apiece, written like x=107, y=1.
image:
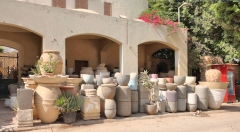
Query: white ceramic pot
x=13, y=104
x=190, y=80
x=181, y=104
x=161, y=80
x=87, y=70
x=192, y=98
x=7, y=102
x=69, y=71
x=179, y=80
x=216, y=97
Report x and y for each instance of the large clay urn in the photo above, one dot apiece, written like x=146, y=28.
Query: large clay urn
x=53, y=56
x=45, y=95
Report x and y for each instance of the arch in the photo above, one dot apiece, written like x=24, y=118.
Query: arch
x=95, y=34
x=161, y=42
x=21, y=27
x=17, y=46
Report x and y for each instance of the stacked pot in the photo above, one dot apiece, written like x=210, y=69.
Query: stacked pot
x=143, y=98
x=217, y=89
x=101, y=69
x=123, y=95
x=181, y=92
x=133, y=84
x=202, y=97
x=161, y=104
x=107, y=92
x=171, y=97
x=191, y=95
x=75, y=82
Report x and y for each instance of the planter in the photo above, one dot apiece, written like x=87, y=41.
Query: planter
x=171, y=107
x=123, y=80
x=45, y=58
x=181, y=104
x=99, y=79
x=190, y=80
x=202, y=104
x=123, y=93
x=171, y=86
x=87, y=70
x=215, y=85
x=202, y=91
x=161, y=81
x=181, y=92
x=171, y=96
x=123, y=108
x=179, y=80
x=7, y=102
x=213, y=75
x=190, y=88
x=169, y=80
x=162, y=87
x=161, y=106
x=110, y=114
x=215, y=98
x=69, y=117
x=133, y=83
x=88, y=79
x=69, y=71
x=150, y=109
x=107, y=80
x=154, y=76
x=192, y=98
x=108, y=91
x=50, y=79
x=192, y=107
x=110, y=108
x=90, y=92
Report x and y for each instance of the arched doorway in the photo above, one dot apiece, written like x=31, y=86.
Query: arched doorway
x=89, y=50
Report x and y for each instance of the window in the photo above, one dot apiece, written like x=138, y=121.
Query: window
x=59, y=3
x=81, y=4
x=107, y=8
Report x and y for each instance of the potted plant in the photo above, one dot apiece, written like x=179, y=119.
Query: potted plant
x=48, y=67
x=37, y=71
x=144, y=80
x=68, y=104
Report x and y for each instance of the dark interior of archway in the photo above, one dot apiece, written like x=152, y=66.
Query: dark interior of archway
x=165, y=55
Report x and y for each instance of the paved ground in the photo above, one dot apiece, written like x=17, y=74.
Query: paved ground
x=225, y=119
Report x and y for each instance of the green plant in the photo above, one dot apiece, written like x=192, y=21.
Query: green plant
x=49, y=67
x=150, y=86
x=1, y=49
x=67, y=102
x=37, y=70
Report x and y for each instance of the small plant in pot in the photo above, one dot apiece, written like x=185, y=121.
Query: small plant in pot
x=48, y=67
x=144, y=80
x=37, y=71
x=68, y=104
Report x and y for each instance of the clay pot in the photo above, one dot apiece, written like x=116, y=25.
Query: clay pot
x=151, y=109
x=190, y=80
x=12, y=88
x=107, y=80
x=69, y=71
x=171, y=73
x=123, y=80
x=161, y=80
x=108, y=91
x=179, y=80
x=90, y=92
x=99, y=79
x=88, y=79
x=213, y=75
x=68, y=89
x=45, y=58
x=44, y=98
x=171, y=86
x=50, y=79
x=109, y=104
x=87, y=70
x=169, y=80
x=74, y=80
x=215, y=85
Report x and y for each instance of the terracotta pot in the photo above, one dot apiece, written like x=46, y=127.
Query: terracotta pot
x=108, y=90
x=171, y=73
x=35, y=113
x=50, y=79
x=68, y=89
x=107, y=80
x=215, y=85
x=171, y=86
x=74, y=80
x=87, y=70
x=123, y=80
x=44, y=98
x=169, y=80
x=179, y=80
x=213, y=75
x=151, y=109
x=45, y=58
x=88, y=79
x=190, y=80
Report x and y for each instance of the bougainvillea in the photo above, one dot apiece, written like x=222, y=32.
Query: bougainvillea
x=152, y=17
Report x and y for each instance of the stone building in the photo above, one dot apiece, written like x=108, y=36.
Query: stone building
x=88, y=32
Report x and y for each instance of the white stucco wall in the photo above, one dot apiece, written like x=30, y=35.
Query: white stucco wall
x=130, y=8
x=57, y=24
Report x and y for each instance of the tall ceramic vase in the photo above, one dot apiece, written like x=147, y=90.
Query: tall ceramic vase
x=53, y=56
